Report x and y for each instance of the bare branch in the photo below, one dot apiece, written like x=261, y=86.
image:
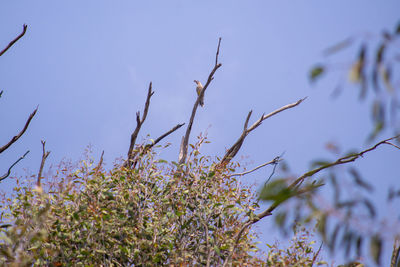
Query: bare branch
x=395, y=252
x=148, y=146
x=139, y=122
x=185, y=141
x=296, y=183
x=15, y=40
x=9, y=169
x=15, y=138
x=274, y=161
x=217, y=54
x=45, y=154
x=231, y=153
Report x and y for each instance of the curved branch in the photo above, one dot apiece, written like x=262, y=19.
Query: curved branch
x=15, y=40
x=231, y=153
x=9, y=169
x=295, y=184
x=15, y=138
x=185, y=140
x=45, y=154
x=139, y=122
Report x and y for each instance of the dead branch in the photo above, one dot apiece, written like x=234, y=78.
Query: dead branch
x=274, y=161
x=395, y=252
x=139, y=122
x=149, y=146
x=296, y=184
x=185, y=141
x=9, y=169
x=15, y=138
x=45, y=154
x=231, y=153
x=15, y=40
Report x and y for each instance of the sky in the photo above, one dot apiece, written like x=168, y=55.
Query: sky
x=87, y=65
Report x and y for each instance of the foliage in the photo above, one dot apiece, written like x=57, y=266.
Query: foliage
x=154, y=214
x=300, y=252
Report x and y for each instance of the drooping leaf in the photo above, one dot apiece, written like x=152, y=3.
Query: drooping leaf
x=276, y=191
x=316, y=72
x=376, y=248
x=359, y=181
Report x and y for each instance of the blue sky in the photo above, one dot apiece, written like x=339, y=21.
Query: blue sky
x=87, y=64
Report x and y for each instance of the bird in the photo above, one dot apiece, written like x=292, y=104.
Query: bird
x=199, y=88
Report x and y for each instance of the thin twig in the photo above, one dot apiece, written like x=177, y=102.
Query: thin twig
x=395, y=252
x=45, y=154
x=274, y=161
x=15, y=40
x=268, y=211
x=9, y=169
x=231, y=153
x=185, y=141
x=148, y=146
x=15, y=138
x=98, y=167
x=139, y=122
x=316, y=254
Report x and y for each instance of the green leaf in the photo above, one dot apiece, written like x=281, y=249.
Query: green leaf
x=376, y=248
x=316, y=72
x=276, y=191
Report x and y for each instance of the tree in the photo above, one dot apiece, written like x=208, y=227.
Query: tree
x=148, y=211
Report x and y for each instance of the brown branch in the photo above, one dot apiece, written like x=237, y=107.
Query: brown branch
x=395, y=252
x=185, y=141
x=45, y=154
x=148, y=146
x=139, y=122
x=295, y=184
x=15, y=138
x=231, y=153
x=15, y=40
x=9, y=169
x=274, y=161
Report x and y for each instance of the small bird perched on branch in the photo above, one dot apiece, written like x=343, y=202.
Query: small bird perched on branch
x=198, y=90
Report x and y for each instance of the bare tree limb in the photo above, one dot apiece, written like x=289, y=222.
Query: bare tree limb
x=15, y=40
x=149, y=146
x=231, y=153
x=185, y=141
x=274, y=161
x=395, y=252
x=15, y=138
x=9, y=169
x=139, y=122
x=295, y=184
x=45, y=154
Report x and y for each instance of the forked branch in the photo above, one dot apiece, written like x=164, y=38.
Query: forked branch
x=15, y=40
x=45, y=154
x=185, y=141
x=139, y=122
x=295, y=185
x=231, y=153
x=15, y=138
